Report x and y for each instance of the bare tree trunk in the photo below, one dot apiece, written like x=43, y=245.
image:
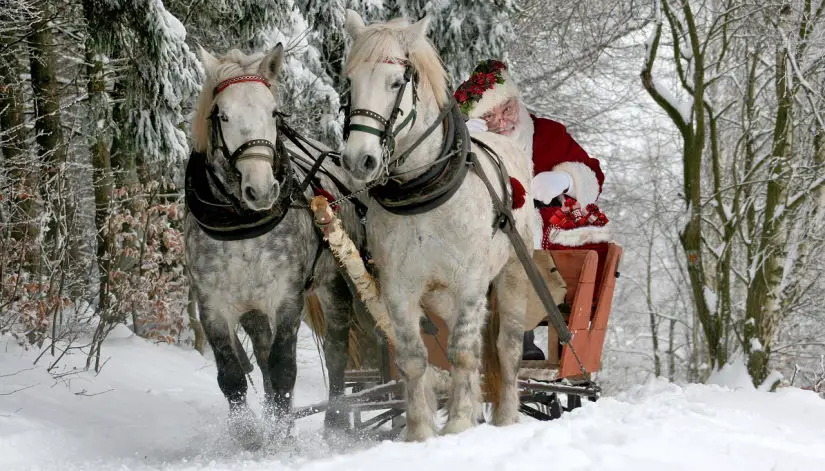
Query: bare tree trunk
x=654, y=325
x=47, y=125
x=764, y=303
x=123, y=160
x=99, y=141
x=671, y=354
x=693, y=137
x=59, y=248
x=23, y=227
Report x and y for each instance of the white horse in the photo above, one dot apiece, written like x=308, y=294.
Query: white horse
x=446, y=257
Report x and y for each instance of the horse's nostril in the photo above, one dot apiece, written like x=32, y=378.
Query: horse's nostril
x=249, y=193
x=370, y=162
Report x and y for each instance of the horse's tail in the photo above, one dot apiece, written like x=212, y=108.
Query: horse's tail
x=491, y=364
x=317, y=323
x=315, y=315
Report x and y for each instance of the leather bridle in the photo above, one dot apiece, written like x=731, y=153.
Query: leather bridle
x=389, y=130
x=217, y=137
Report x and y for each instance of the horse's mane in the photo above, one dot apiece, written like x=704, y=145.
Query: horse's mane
x=375, y=42
x=230, y=64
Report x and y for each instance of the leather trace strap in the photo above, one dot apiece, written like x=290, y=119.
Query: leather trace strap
x=504, y=220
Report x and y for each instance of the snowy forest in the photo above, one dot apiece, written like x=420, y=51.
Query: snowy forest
x=708, y=118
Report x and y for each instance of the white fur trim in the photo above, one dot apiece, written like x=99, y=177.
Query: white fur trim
x=585, y=187
x=494, y=97
x=476, y=125
x=580, y=235
x=538, y=225
x=523, y=133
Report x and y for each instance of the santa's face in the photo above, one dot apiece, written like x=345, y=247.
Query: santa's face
x=504, y=118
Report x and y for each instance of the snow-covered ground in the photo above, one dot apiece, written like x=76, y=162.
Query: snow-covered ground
x=159, y=407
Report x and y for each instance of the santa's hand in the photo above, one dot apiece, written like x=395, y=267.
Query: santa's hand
x=548, y=185
x=476, y=125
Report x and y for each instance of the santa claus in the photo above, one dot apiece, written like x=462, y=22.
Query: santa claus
x=566, y=182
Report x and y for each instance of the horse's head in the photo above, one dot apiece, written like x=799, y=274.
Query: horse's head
x=387, y=66
x=236, y=124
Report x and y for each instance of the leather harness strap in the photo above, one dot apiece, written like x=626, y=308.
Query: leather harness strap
x=504, y=220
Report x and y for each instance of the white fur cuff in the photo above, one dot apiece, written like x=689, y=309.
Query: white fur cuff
x=585, y=184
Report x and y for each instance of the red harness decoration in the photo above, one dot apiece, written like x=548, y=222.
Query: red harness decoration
x=239, y=79
x=395, y=60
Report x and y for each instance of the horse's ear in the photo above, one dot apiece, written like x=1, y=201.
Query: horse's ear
x=210, y=63
x=354, y=24
x=272, y=62
x=417, y=31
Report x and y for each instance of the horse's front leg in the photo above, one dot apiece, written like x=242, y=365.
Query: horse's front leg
x=411, y=359
x=511, y=302
x=336, y=300
x=464, y=351
x=256, y=326
x=231, y=378
x=283, y=368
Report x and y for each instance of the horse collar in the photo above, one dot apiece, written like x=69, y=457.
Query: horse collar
x=220, y=215
x=439, y=183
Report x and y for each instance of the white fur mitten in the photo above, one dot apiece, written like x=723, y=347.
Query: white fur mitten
x=548, y=185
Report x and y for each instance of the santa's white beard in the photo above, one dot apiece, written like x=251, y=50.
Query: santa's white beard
x=523, y=131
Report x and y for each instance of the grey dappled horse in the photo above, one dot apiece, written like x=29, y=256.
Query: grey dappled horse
x=240, y=168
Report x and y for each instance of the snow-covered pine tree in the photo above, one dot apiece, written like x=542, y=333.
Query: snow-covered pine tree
x=163, y=77
x=220, y=25
x=326, y=22
x=305, y=89
x=463, y=31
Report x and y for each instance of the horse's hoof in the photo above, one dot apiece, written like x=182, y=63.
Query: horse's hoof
x=504, y=421
x=243, y=429
x=418, y=434
x=279, y=428
x=457, y=426
x=336, y=421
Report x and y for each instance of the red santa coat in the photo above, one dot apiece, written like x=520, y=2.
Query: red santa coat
x=555, y=149
x=579, y=223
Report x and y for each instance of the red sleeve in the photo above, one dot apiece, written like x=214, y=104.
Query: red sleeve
x=552, y=145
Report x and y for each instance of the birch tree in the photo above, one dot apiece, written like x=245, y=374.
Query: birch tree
x=745, y=189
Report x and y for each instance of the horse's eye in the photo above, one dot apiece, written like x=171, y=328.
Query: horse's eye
x=397, y=84
x=223, y=117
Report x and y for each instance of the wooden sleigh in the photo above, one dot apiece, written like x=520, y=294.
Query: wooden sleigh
x=375, y=395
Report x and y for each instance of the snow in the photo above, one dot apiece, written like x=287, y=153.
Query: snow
x=756, y=345
x=158, y=407
x=734, y=375
x=710, y=297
